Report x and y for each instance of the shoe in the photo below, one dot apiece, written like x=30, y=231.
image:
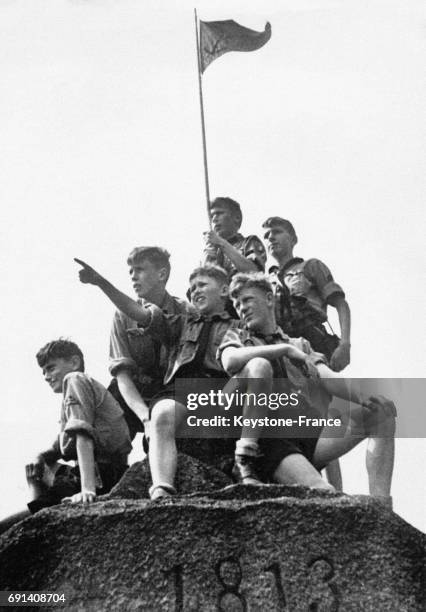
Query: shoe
x=161, y=490
x=245, y=470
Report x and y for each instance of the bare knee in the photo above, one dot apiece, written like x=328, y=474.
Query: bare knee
x=382, y=422
x=296, y=469
x=163, y=417
x=258, y=367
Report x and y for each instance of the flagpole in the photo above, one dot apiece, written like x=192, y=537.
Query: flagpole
x=203, y=127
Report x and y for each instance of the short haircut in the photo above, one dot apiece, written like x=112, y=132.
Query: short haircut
x=59, y=349
x=157, y=256
x=287, y=225
x=231, y=205
x=244, y=280
x=212, y=271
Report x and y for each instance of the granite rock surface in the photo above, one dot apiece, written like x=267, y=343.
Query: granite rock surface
x=233, y=549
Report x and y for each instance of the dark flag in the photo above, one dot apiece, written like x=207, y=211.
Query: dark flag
x=219, y=37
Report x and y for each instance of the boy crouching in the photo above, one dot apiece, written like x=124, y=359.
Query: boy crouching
x=92, y=431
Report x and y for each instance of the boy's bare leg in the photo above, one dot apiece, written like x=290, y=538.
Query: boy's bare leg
x=166, y=417
x=254, y=378
x=379, y=460
x=334, y=474
x=376, y=423
x=296, y=469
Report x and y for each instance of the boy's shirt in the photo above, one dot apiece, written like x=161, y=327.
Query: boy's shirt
x=250, y=247
x=141, y=354
x=88, y=408
x=303, y=289
x=182, y=335
x=302, y=378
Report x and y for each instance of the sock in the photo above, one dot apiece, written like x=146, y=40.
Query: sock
x=247, y=446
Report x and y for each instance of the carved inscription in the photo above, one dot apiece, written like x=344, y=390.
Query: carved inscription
x=229, y=574
x=324, y=594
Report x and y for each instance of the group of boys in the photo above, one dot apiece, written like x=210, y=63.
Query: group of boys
x=252, y=328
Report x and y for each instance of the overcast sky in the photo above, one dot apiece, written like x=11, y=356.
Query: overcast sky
x=101, y=151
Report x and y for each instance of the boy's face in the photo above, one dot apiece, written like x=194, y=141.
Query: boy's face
x=145, y=277
x=255, y=308
x=278, y=241
x=207, y=294
x=223, y=222
x=55, y=370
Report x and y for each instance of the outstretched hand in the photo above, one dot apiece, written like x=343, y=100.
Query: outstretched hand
x=88, y=275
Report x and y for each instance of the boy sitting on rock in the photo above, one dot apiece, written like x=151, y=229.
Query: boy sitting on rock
x=92, y=431
x=296, y=460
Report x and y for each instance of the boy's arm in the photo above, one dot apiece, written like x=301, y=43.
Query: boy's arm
x=235, y=358
x=241, y=263
x=131, y=395
x=341, y=356
x=337, y=385
x=86, y=463
x=123, y=302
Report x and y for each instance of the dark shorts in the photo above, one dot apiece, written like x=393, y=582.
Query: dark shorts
x=133, y=422
x=67, y=482
x=274, y=450
x=175, y=391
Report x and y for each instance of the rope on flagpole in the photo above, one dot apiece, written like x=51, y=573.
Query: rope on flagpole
x=203, y=127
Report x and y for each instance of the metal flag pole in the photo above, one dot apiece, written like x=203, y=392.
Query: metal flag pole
x=203, y=127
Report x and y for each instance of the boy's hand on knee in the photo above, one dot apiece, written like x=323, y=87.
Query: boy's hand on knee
x=35, y=470
x=295, y=354
x=88, y=275
x=85, y=497
x=382, y=404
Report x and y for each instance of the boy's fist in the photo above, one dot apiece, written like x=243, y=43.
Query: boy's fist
x=88, y=275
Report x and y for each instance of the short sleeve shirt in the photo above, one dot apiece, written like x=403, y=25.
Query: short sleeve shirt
x=133, y=350
x=250, y=247
x=302, y=290
x=301, y=377
x=310, y=279
x=88, y=408
x=181, y=335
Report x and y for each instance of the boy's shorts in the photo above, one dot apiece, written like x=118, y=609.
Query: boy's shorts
x=274, y=450
x=67, y=483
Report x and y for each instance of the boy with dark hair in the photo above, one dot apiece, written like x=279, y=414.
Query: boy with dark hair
x=137, y=361
x=295, y=460
x=92, y=431
x=225, y=246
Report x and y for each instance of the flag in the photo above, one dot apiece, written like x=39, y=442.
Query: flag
x=219, y=37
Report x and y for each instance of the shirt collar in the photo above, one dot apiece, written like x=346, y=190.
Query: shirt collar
x=220, y=316
x=235, y=238
x=277, y=334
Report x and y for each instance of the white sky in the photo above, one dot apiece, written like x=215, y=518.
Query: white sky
x=101, y=151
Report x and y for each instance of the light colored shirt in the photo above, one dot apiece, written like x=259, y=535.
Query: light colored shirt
x=88, y=408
